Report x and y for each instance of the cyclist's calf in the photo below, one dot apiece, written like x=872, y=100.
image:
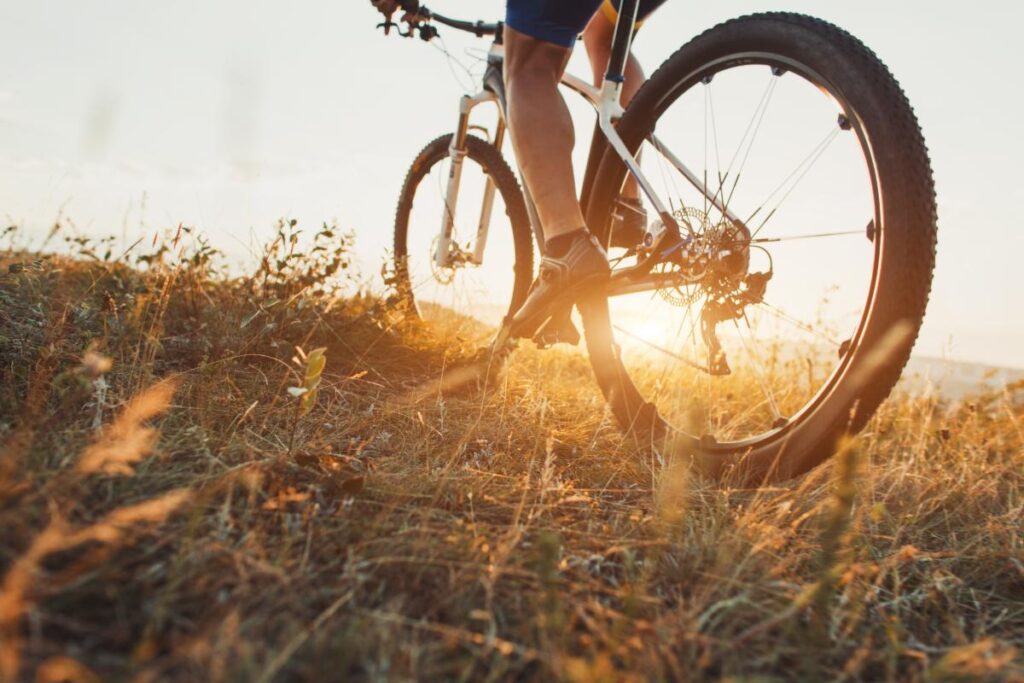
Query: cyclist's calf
x=541, y=129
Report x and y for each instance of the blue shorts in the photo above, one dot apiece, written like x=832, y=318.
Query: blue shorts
x=561, y=21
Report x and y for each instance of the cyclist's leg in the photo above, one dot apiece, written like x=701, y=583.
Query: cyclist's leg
x=541, y=129
x=597, y=38
x=539, y=37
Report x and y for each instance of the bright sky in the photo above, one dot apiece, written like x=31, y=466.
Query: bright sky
x=133, y=116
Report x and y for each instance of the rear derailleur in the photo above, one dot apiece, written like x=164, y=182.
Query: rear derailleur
x=727, y=301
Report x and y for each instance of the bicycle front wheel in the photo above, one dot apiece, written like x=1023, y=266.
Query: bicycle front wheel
x=488, y=272
x=789, y=313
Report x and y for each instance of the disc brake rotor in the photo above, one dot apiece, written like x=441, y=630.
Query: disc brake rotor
x=685, y=295
x=444, y=276
x=457, y=258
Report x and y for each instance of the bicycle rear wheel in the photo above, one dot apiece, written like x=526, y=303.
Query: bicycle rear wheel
x=808, y=272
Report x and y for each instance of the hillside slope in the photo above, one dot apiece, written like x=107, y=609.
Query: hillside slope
x=171, y=511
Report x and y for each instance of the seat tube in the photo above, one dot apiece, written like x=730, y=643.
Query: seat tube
x=457, y=154
x=621, y=39
x=485, y=211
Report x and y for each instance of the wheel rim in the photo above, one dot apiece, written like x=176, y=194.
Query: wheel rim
x=766, y=365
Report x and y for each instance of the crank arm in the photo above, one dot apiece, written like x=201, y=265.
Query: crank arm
x=628, y=281
x=641, y=271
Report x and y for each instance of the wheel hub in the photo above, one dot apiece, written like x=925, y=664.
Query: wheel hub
x=458, y=258
x=713, y=265
x=716, y=256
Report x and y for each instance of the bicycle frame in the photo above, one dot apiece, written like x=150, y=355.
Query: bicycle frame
x=606, y=102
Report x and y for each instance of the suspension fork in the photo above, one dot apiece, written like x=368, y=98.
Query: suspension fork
x=457, y=153
x=485, y=211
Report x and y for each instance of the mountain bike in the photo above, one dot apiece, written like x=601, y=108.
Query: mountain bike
x=777, y=293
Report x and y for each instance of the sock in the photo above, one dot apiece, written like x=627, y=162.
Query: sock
x=556, y=247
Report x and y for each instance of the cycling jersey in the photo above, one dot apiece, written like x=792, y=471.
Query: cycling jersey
x=561, y=21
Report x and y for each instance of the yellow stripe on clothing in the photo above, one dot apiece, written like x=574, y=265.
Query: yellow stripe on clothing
x=612, y=14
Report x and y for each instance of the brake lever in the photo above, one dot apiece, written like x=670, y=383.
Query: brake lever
x=387, y=25
x=427, y=31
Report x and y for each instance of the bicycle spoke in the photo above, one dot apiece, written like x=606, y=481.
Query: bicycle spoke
x=759, y=371
x=744, y=147
x=799, y=173
x=659, y=384
x=710, y=104
x=662, y=349
x=793, y=238
x=758, y=116
x=782, y=315
x=714, y=128
x=683, y=393
x=665, y=177
x=692, y=336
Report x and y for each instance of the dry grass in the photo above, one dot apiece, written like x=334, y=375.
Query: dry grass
x=175, y=512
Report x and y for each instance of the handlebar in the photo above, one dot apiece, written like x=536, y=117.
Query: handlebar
x=477, y=28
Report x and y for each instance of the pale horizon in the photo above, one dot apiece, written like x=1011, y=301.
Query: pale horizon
x=130, y=118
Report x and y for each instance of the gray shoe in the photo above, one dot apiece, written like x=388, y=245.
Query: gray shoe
x=561, y=283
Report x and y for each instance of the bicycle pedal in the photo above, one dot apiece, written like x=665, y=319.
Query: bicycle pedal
x=559, y=329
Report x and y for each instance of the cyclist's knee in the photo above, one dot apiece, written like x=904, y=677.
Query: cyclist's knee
x=530, y=60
